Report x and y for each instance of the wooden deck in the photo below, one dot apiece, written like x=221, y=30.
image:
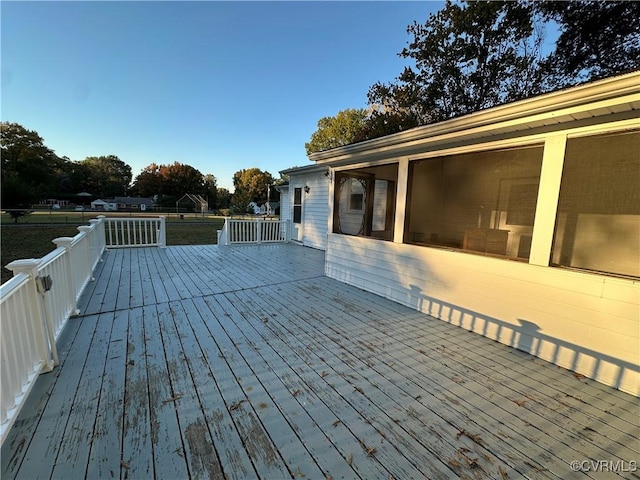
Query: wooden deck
x=246, y=362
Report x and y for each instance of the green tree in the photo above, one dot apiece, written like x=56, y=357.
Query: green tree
x=468, y=57
x=170, y=182
x=211, y=191
x=337, y=131
x=70, y=177
x=107, y=176
x=148, y=183
x=179, y=178
x=597, y=39
x=223, y=197
x=251, y=185
x=28, y=167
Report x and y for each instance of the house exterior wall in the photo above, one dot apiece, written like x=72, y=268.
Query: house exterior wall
x=285, y=204
x=315, y=206
x=578, y=319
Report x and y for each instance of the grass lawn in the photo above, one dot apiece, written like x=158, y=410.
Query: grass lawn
x=35, y=241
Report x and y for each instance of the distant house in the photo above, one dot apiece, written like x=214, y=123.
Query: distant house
x=263, y=208
x=107, y=206
x=51, y=202
x=520, y=222
x=123, y=204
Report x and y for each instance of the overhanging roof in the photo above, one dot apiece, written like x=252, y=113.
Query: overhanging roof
x=616, y=95
x=306, y=169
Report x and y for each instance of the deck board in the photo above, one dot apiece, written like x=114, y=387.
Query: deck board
x=247, y=362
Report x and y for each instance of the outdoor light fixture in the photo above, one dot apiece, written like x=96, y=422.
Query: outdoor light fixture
x=306, y=189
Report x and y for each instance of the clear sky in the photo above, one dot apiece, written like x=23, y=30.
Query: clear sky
x=220, y=86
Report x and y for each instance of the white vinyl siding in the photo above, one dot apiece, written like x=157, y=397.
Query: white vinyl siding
x=315, y=206
x=285, y=213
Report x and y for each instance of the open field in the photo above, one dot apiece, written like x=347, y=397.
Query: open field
x=27, y=240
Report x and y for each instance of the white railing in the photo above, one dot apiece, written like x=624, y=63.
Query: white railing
x=248, y=231
x=43, y=294
x=135, y=232
x=24, y=344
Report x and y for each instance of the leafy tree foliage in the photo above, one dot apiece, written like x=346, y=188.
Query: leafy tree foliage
x=468, y=57
x=211, y=190
x=179, y=178
x=148, y=183
x=251, y=185
x=170, y=182
x=107, y=176
x=337, y=131
x=29, y=168
x=474, y=55
x=223, y=198
x=597, y=39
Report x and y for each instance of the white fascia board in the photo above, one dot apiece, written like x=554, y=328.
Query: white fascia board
x=306, y=169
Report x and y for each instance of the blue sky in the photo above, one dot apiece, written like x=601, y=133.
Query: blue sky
x=220, y=86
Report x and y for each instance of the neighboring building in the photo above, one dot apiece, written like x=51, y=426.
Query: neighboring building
x=51, y=202
x=123, y=204
x=108, y=206
x=520, y=222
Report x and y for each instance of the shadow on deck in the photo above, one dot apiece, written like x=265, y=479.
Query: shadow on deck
x=247, y=362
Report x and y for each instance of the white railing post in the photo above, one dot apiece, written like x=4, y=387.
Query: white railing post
x=65, y=242
x=86, y=247
x=162, y=234
x=40, y=328
x=102, y=234
x=223, y=234
x=258, y=230
x=97, y=241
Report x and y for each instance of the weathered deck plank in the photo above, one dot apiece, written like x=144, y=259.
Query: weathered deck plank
x=136, y=434
x=523, y=410
x=106, y=440
x=204, y=362
x=357, y=370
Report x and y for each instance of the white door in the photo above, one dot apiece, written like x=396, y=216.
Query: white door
x=296, y=218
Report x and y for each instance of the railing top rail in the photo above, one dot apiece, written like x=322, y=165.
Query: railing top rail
x=79, y=236
x=12, y=285
x=51, y=257
x=127, y=219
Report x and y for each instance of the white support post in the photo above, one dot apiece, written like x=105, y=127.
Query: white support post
x=258, y=230
x=87, y=250
x=547, y=203
x=401, y=200
x=70, y=281
x=41, y=327
x=103, y=234
x=162, y=234
x=223, y=234
x=99, y=235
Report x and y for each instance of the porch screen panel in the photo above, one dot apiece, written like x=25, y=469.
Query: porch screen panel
x=598, y=219
x=482, y=202
x=364, y=202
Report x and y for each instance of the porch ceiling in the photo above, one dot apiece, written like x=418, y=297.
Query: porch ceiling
x=247, y=362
